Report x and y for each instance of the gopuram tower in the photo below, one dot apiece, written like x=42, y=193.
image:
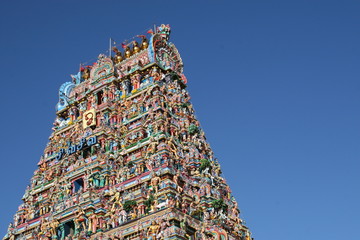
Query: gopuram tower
x=127, y=159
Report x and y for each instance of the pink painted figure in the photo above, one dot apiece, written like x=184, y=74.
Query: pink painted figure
x=135, y=80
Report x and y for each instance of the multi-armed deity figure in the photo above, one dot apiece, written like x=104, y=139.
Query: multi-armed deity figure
x=127, y=158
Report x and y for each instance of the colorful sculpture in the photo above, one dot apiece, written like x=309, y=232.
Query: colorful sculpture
x=127, y=158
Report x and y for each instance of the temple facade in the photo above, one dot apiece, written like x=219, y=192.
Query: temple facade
x=127, y=158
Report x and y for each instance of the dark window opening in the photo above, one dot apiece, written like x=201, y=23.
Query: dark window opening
x=99, y=97
x=78, y=185
x=69, y=228
x=86, y=152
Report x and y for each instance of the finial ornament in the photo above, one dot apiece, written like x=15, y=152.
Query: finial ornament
x=136, y=47
x=128, y=52
x=118, y=56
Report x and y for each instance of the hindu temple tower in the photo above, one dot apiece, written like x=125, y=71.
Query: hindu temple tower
x=127, y=158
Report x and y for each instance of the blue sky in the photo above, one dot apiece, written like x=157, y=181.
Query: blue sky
x=275, y=85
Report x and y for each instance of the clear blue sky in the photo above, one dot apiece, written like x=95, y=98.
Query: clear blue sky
x=275, y=85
